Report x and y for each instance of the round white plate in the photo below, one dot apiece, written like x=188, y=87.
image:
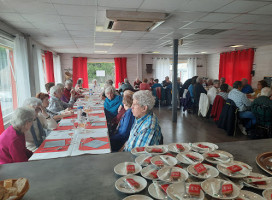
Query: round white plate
x=260, y=187
x=137, y=197
x=163, y=147
x=238, y=182
x=140, y=159
x=236, y=162
x=198, y=149
x=135, y=153
x=156, y=193
x=212, y=186
x=164, y=174
x=249, y=195
x=147, y=170
x=121, y=168
x=121, y=186
x=167, y=160
x=182, y=158
x=176, y=191
x=225, y=157
x=172, y=147
x=222, y=167
x=267, y=194
x=211, y=173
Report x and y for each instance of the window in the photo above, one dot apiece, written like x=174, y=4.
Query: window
x=8, y=96
x=101, y=72
x=182, y=71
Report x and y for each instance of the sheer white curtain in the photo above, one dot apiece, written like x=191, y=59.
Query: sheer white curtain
x=162, y=68
x=21, y=69
x=57, y=69
x=191, y=65
x=39, y=71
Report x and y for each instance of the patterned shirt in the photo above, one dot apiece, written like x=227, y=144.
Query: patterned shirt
x=145, y=131
x=224, y=95
x=240, y=99
x=56, y=105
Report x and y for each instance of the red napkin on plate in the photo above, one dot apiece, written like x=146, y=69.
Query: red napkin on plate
x=156, y=150
x=154, y=174
x=194, y=189
x=200, y=168
x=130, y=169
x=140, y=149
x=148, y=160
x=180, y=147
x=164, y=187
x=234, y=168
x=192, y=157
x=203, y=146
x=227, y=189
x=213, y=155
x=133, y=183
x=159, y=163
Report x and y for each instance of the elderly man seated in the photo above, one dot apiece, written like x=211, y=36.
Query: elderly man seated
x=224, y=91
x=146, y=129
x=12, y=140
x=263, y=101
x=243, y=104
x=246, y=88
x=35, y=136
x=68, y=90
x=55, y=103
x=213, y=91
x=125, y=86
x=223, y=81
x=166, y=82
x=112, y=103
x=198, y=89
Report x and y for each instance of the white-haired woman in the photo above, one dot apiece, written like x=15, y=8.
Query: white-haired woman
x=146, y=129
x=112, y=103
x=95, y=86
x=55, y=103
x=12, y=140
x=35, y=136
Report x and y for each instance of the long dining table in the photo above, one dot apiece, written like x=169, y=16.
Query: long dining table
x=92, y=176
x=67, y=140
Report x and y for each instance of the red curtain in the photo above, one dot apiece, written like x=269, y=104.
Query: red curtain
x=49, y=66
x=2, y=128
x=80, y=70
x=236, y=65
x=120, y=70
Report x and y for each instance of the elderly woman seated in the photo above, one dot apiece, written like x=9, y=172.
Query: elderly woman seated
x=12, y=140
x=122, y=131
x=68, y=90
x=112, y=103
x=35, y=136
x=146, y=129
x=78, y=86
x=45, y=103
x=95, y=86
x=48, y=86
x=55, y=103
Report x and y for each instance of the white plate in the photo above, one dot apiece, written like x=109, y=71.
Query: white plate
x=267, y=194
x=250, y=195
x=157, y=194
x=167, y=160
x=121, y=168
x=137, y=197
x=260, y=187
x=122, y=187
x=147, y=170
x=226, y=157
x=212, y=187
x=238, y=182
x=243, y=164
x=140, y=159
x=163, y=147
x=241, y=174
x=211, y=146
x=164, y=174
x=135, y=153
x=182, y=157
x=211, y=173
x=177, y=189
x=172, y=147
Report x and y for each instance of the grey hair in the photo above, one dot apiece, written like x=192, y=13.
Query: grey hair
x=60, y=85
x=21, y=116
x=32, y=101
x=126, y=80
x=54, y=90
x=109, y=82
x=216, y=82
x=110, y=89
x=145, y=98
x=266, y=91
x=94, y=80
x=68, y=82
x=199, y=79
x=244, y=79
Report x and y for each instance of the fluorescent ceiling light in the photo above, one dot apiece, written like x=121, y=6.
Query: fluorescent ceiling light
x=238, y=45
x=100, y=51
x=203, y=52
x=155, y=52
x=104, y=44
x=101, y=29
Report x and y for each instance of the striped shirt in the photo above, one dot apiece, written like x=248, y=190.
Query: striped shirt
x=240, y=99
x=145, y=131
x=56, y=105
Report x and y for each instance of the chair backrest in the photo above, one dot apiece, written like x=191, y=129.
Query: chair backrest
x=158, y=92
x=263, y=115
x=184, y=93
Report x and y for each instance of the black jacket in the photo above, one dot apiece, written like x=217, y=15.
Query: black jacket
x=198, y=89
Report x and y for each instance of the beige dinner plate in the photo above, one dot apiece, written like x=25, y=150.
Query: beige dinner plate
x=121, y=185
x=267, y=194
x=167, y=160
x=147, y=170
x=140, y=159
x=136, y=153
x=211, y=172
x=225, y=157
x=183, y=159
x=163, y=147
x=121, y=168
x=164, y=174
x=156, y=192
x=268, y=184
x=222, y=167
x=172, y=147
x=137, y=197
x=244, y=194
x=198, y=149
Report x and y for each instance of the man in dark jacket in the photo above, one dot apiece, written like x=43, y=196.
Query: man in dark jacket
x=198, y=89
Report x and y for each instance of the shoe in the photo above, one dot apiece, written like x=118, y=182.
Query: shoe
x=243, y=129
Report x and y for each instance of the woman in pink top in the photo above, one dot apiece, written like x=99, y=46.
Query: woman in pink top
x=144, y=85
x=12, y=140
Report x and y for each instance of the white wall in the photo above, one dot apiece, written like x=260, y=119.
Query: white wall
x=213, y=66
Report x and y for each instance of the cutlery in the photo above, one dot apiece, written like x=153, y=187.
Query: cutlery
x=157, y=189
x=164, y=159
x=188, y=159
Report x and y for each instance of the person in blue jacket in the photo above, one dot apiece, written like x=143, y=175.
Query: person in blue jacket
x=247, y=89
x=112, y=103
x=122, y=132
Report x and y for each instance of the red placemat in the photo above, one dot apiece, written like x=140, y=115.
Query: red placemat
x=86, y=140
x=71, y=117
x=101, y=115
x=60, y=128
x=89, y=125
x=41, y=149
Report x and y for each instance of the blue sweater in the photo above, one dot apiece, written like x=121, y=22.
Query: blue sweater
x=111, y=106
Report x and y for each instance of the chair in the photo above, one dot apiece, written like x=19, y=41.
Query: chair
x=159, y=94
x=263, y=116
x=217, y=107
x=203, y=105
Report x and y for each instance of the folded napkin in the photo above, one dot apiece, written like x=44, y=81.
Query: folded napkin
x=58, y=143
x=95, y=144
x=66, y=122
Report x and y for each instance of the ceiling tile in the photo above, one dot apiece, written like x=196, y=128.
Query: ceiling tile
x=77, y=20
x=201, y=25
x=187, y=16
x=245, y=18
x=217, y=17
x=12, y=17
x=205, y=5
x=266, y=10
x=76, y=2
x=72, y=10
x=32, y=7
x=225, y=26
x=242, y=6
x=120, y=3
x=78, y=27
x=162, y=5
x=42, y=18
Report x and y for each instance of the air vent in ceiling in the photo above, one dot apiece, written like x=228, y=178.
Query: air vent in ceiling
x=134, y=21
x=210, y=31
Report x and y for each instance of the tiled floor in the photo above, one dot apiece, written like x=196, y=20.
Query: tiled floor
x=191, y=128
